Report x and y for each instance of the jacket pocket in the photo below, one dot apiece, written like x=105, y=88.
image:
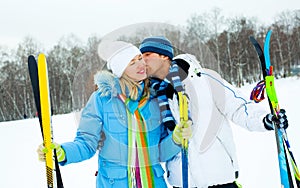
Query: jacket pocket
x=112, y=171
x=116, y=123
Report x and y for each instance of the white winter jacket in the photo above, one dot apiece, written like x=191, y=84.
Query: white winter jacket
x=213, y=105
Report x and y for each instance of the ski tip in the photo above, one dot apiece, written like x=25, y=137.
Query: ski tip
x=268, y=36
x=267, y=49
x=256, y=45
x=41, y=57
x=253, y=40
x=31, y=58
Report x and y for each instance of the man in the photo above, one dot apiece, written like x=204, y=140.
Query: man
x=213, y=104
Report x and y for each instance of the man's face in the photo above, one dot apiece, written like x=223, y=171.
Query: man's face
x=154, y=63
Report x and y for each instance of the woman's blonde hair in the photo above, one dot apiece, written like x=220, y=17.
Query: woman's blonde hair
x=133, y=87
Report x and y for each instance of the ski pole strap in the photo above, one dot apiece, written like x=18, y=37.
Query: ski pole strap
x=258, y=92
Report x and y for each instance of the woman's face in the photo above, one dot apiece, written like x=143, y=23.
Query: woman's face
x=136, y=69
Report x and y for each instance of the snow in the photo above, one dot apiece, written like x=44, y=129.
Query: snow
x=256, y=151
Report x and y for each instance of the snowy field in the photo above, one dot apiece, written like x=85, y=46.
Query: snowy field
x=256, y=151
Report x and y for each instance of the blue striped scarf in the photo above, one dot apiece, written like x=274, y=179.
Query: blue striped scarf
x=162, y=87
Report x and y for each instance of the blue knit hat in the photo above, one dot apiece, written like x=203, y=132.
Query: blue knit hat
x=157, y=44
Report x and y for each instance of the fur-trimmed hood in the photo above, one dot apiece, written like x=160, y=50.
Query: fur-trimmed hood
x=107, y=83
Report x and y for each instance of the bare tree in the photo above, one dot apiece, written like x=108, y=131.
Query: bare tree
x=219, y=44
x=63, y=60
x=283, y=36
x=29, y=46
x=83, y=82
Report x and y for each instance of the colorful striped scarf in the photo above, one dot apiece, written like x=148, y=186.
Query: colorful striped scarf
x=140, y=172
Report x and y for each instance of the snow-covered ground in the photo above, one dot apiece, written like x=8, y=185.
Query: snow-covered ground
x=256, y=151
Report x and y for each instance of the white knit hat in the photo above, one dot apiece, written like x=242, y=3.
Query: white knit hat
x=118, y=55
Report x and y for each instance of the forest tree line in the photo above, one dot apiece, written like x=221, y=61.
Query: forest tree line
x=219, y=43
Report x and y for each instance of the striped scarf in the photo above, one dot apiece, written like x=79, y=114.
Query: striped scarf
x=140, y=172
x=162, y=87
x=174, y=77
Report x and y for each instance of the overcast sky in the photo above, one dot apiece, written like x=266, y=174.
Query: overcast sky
x=49, y=20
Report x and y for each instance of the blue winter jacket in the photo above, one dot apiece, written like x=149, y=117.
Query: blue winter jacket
x=106, y=112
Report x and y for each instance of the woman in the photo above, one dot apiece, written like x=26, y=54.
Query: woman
x=123, y=110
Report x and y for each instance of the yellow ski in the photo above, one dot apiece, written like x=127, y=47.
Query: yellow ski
x=46, y=117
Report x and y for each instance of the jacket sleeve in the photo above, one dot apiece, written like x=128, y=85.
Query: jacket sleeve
x=87, y=137
x=235, y=106
x=167, y=147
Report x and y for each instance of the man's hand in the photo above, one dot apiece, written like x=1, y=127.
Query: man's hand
x=280, y=121
x=182, y=131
